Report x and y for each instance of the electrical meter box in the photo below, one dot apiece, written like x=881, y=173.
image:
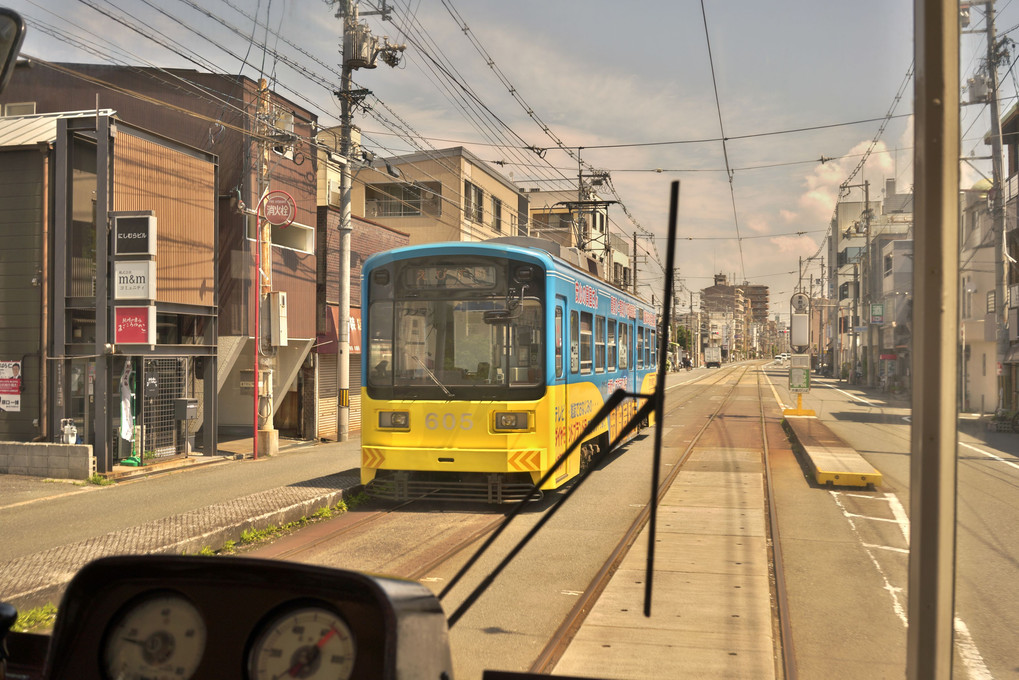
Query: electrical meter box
x=278, y=319
x=185, y=409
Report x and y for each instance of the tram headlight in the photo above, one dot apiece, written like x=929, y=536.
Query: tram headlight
x=511, y=420
x=394, y=420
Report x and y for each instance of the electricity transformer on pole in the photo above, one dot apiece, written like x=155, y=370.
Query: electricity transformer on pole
x=360, y=50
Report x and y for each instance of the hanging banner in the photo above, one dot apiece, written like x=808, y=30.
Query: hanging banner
x=10, y=386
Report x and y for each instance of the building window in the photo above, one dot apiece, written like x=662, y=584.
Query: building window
x=284, y=125
x=991, y=303
x=403, y=200
x=474, y=209
x=888, y=265
x=19, y=109
x=496, y=214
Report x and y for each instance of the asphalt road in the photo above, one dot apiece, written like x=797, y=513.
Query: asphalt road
x=987, y=590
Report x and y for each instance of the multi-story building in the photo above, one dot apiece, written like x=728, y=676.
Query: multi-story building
x=108, y=296
x=444, y=195
x=746, y=307
x=872, y=288
x=581, y=221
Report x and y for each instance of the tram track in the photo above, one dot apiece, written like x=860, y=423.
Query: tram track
x=785, y=661
x=307, y=542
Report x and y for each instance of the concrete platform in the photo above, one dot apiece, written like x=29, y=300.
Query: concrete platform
x=829, y=459
x=711, y=613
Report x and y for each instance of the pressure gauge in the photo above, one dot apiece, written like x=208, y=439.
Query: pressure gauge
x=159, y=636
x=305, y=642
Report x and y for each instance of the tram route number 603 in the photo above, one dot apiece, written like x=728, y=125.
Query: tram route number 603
x=449, y=421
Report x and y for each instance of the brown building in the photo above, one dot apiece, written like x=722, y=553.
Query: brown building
x=108, y=312
x=261, y=141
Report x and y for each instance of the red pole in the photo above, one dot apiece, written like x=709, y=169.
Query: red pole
x=258, y=303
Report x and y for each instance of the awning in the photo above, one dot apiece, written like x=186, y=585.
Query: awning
x=326, y=342
x=1012, y=355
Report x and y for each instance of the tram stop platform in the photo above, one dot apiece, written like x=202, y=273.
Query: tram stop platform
x=827, y=458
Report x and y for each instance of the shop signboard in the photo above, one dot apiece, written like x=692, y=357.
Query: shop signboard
x=134, y=280
x=134, y=325
x=135, y=235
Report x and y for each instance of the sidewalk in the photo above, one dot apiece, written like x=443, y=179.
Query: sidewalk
x=167, y=512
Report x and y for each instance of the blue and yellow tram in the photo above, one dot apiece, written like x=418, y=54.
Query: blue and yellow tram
x=483, y=361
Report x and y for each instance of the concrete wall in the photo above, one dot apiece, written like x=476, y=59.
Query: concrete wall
x=57, y=461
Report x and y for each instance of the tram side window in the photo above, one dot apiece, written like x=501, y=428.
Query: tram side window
x=624, y=346
x=380, y=344
x=559, y=342
x=640, y=347
x=574, y=342
x=586, y=319
x=599, y=344
x=612, y=345
x=654, y=349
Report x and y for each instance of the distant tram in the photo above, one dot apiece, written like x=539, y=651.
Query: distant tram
x=484, y=360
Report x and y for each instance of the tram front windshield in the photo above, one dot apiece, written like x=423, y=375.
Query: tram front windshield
x=456, y=344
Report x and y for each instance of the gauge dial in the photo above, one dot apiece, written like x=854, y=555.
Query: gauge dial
x=309, y=642
x=161, y=636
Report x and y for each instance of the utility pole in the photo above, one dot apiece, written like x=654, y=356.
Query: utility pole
x=869, y=283
x=360, y=50
x=997, y=208
x=266, y=436
x=633, y=279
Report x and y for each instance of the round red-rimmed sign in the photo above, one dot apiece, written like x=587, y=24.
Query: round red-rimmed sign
x=279, y=208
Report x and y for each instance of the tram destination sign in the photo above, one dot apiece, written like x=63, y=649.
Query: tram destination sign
x=134, y=235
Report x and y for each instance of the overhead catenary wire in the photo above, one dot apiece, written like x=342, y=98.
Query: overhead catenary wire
x=725, y=151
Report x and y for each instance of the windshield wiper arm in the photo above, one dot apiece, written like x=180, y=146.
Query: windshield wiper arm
x=432, y=375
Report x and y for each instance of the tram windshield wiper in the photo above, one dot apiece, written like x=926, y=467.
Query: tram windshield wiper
x=432, y=375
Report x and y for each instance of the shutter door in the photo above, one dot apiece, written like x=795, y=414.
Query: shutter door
x=327, y=396
x=355, y=393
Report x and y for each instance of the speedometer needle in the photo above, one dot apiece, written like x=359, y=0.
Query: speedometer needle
x=307, y=655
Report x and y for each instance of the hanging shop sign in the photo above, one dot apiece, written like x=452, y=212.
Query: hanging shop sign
x=134, y=325
x=135, y=235
x=134, y=280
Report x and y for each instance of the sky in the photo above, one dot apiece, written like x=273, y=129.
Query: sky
x=644, y=90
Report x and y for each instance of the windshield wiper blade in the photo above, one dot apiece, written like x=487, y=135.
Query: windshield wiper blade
x=432, y=375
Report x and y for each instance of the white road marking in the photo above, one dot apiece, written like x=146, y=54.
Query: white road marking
x=904, y=551
x=990, y=455
x=893, y=592
x=854, y=397
x=969, y=653
x=775, y=392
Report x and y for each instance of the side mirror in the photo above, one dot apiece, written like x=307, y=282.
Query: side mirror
x=12, y=34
